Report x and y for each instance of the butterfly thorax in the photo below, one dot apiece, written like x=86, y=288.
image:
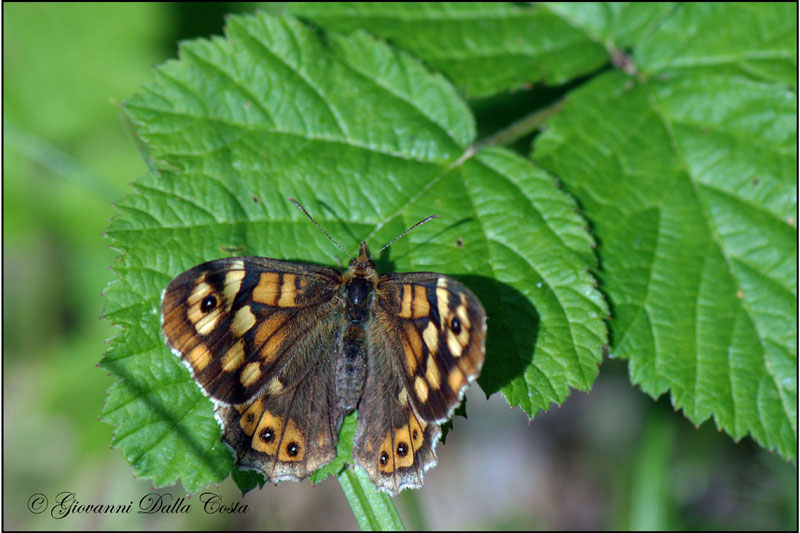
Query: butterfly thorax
x=360, y=281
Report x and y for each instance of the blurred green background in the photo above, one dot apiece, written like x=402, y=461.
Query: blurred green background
x=610, y=459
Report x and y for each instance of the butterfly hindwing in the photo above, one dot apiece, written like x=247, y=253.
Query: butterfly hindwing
x=392, y=443
x=286, y=434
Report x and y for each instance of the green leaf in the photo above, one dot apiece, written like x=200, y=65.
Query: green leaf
x=613, y=24
x=757, y=41
x=688, y=174
x=483, y=47
x=247, y=480
x=370, y=142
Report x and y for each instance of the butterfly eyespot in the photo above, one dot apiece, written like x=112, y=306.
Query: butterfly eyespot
x=292, y=449
x=267, y=434
x=456, y=325
x=414, y=435
x=250, y=418
x=209, y=303
x=384, y=458
x=402, y=449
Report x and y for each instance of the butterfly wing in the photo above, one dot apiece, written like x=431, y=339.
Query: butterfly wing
x=257, y=335
x=426, y=344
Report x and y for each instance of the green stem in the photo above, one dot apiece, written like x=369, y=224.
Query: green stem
x=522, y=127
x=58, y=162
x=650, y=501
x=374, y=511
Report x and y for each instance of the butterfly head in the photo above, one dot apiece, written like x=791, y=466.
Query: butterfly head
x=362, y=265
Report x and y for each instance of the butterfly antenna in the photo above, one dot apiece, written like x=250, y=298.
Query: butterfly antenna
x=421, y=222
x=303, y=209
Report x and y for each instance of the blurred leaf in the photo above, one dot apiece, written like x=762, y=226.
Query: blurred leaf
x=483, y=47
x=688, y=173
x=370, y=142
x=77, y=45
x=756, y=41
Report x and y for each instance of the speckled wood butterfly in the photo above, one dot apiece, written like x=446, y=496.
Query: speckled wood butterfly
x=285, y=350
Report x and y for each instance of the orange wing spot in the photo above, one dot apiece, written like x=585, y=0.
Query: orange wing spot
x=250, y=374
x=402, y=396
x=267, y=327
x=420, y=306
x=463, y=336
x=386, y=455
x=404, y=456
x=432, y=374
x=421, y=388
x=243, y=320
x=455, y=347
x=456, y=379
x=275, y=386
x=267, y=434
x=270, y=350
x=234, y=357
x=417, y=437
x=199, y=357
x=443, y=304
x=461, y=311
x=233, y=282
x=200, y=291
x=405, y=308
x=250, y=417
x=411, y=361
x=431, y=336
x=266, y=292
x=293, y=444
x=412, y=347
x=469, y=365
x=184, y=341
x=288, y=291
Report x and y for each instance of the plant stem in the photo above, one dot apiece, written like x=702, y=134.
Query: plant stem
x=373, y=510
x=520, y=128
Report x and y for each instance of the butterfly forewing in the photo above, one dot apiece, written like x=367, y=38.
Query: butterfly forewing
x=439, y=330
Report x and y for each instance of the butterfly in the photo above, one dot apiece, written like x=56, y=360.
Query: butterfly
x=285, y=350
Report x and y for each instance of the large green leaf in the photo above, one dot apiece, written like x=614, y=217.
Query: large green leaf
x=483, y=47
x=688, y=173
x=370, y=142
